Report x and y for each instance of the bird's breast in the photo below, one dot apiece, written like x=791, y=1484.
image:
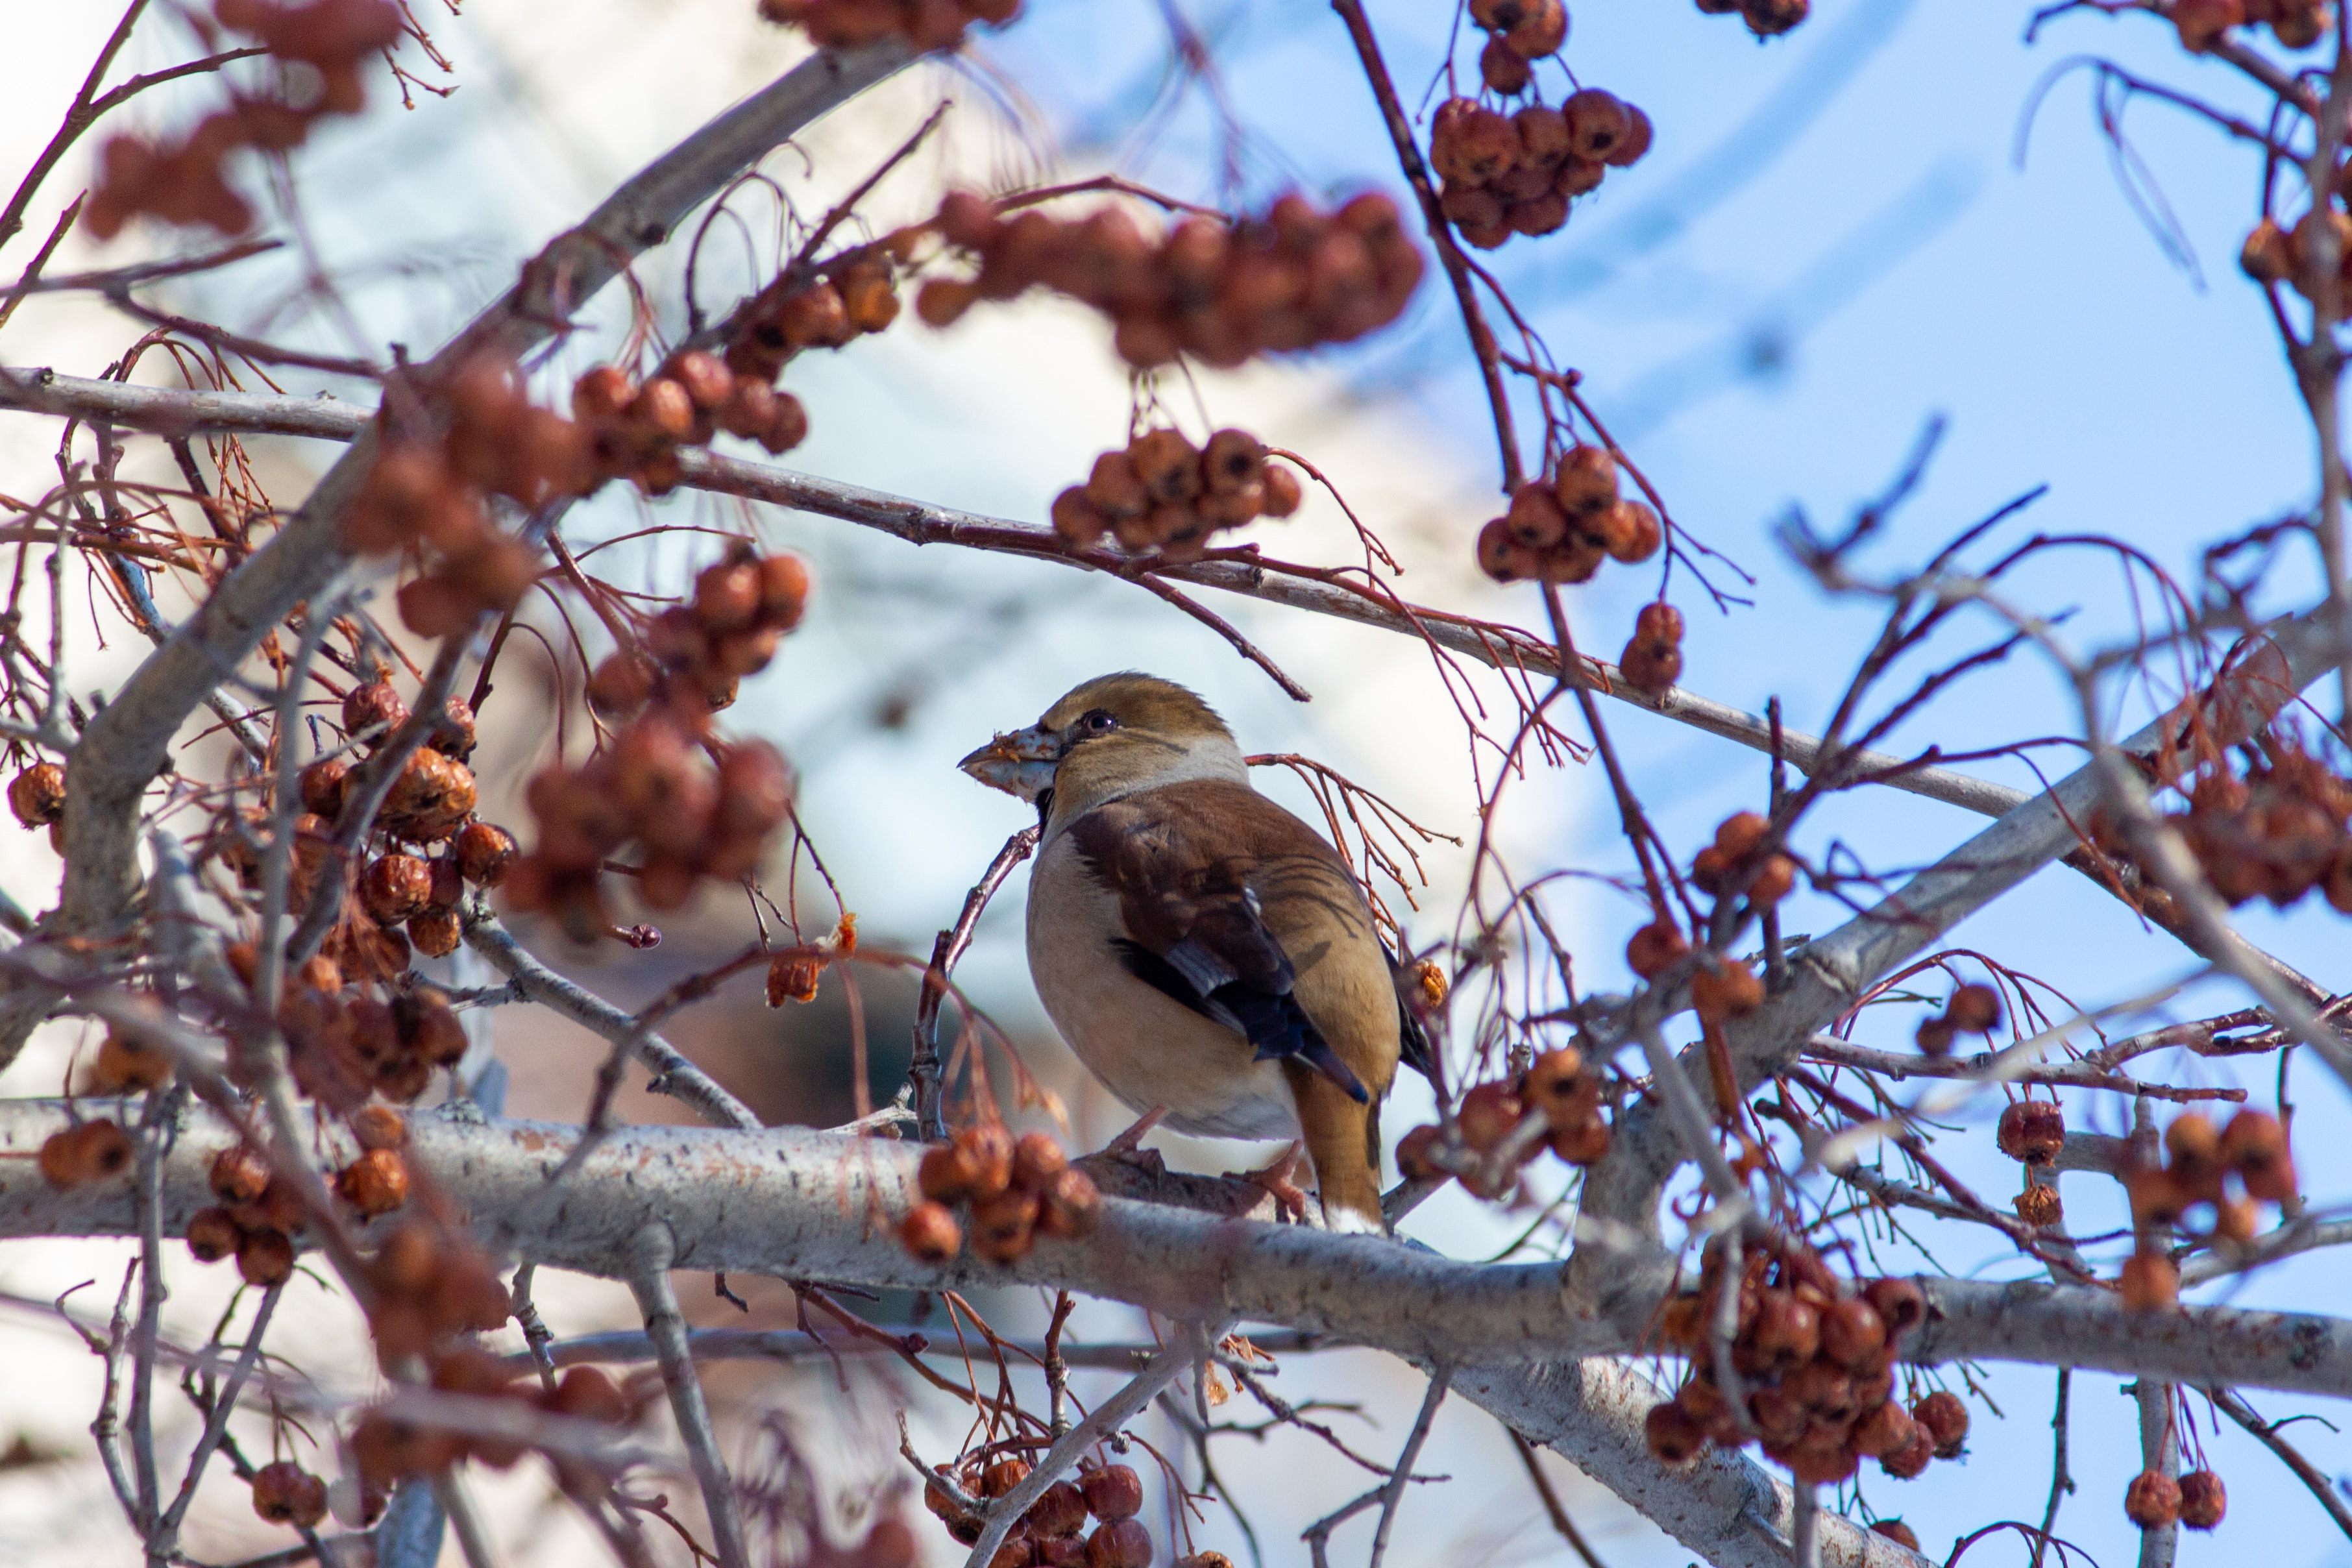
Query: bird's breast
x=1146, y=1047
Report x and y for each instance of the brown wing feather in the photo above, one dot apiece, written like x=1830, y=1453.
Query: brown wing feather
x=1222, y=884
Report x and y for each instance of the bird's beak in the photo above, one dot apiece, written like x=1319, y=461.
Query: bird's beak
x=1021, y=763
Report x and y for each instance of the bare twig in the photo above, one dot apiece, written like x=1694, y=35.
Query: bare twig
x=653, y=1251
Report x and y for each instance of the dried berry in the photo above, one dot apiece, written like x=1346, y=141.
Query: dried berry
x=2204, y=1499
x=2257, y=1145
x=2039, y=1205
x=1112, y=1492
x=89, y=1152
x=286, y=1493
x=437, y=933
x=1974, y=1009
x=212, y=1235
x=37, y=796
x=265, y=1258
x=373, y=707
x=2152, y=1502
x=1037, y=1161
x=2033, y=1131
x=125, y=1065
x=931, y=1233
x=239, y=1174
x=1488, y=1114
x=1674, y=1437
x=1655, y=948
x=588, y=1394
x=376, y=1183
x=1121, y=1543
x=1060, y=1512
x=1945, y=1421
x=1896, y=1530
x=1004, y=1226
x=1899, y=1304
x=394, y=887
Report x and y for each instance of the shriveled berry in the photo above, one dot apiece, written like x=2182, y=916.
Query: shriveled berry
x=1655, y=948
x=322, y=784
x=437, y=933
x=37, y=796
x=2257, y=1145
x=2204, y=1499
x=1002, y=1477
x=212, y=1235
x=2152, y=1502
x=1896, y=1530
x=1597, y=123
x=372, y=705
x=2040, y=1205
x=1412, y=1155
x=394, y=887
x=1974, y=1009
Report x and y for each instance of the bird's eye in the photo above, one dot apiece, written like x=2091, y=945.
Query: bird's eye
x=1098, y=723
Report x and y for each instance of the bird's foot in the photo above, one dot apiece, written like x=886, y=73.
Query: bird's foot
x=1275, y=1179
x=1124, y=1149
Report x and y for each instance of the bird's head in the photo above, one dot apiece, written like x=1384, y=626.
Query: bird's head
x=1111, y=737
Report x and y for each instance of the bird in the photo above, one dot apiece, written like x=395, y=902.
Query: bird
x=1209, y=956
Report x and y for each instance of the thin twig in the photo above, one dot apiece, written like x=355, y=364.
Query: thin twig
x=652, y=1252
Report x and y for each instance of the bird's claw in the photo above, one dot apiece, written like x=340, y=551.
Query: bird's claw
x=1275, y=1177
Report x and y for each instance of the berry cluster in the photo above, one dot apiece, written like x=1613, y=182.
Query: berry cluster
x=700, y=809
x=1816, y=1358
x=1519, y=32
x=432, y=1286
x=1561, y=530
x=927, y=24
x=2154, y=1501
x=37, y=798
x=87, y=1151
x=2297, y=23
x=1161, y=491
x=2034, y=1132
x=634, y=432
x=1557, y=1084
x=1517, y=174
x=1652, y=658
x=1739, y=861
x=1970, y=1010
x=344, y=1042
x=254, y=1222
x=185, y=185
x=1223, y=293
x=286, y=1493
x=2276, y=834
x=1765, y=18
x=854, y=294
x=1054, y=1533
x=1017, y=1191
x=691, y=657
x=2230, y=1170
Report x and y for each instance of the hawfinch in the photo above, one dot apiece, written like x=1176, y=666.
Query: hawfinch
x=1205, y=953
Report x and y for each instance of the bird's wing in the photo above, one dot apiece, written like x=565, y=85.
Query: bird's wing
x=1225, y=896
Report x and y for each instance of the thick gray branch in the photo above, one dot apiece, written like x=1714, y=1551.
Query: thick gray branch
x=799, y=1204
